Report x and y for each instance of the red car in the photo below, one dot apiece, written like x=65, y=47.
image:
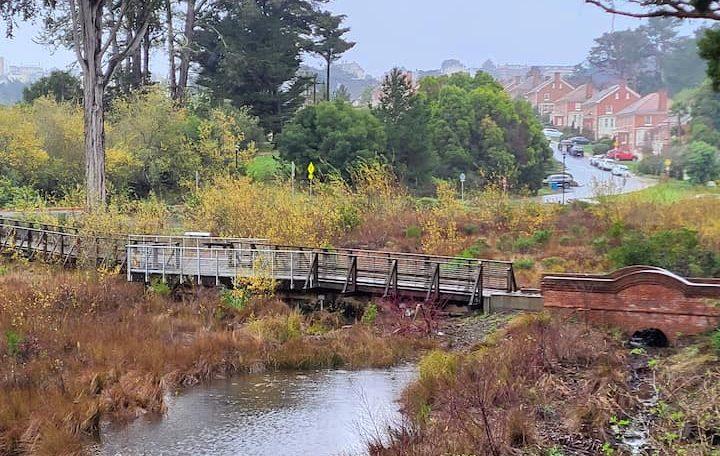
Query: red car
x=622, y=155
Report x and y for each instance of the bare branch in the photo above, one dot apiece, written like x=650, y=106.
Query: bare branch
x=130, y=47
x=115, y=29
x=77, y=39
x=682, y=9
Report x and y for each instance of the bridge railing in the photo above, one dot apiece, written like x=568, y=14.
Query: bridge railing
x=312, y=268
x=57, y=243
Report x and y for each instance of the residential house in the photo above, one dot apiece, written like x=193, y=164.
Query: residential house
x=644, y=126
x=599, y=112
x=569, y=109
x=544, y=95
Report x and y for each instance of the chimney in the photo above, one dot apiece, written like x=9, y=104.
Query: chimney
x=589, y=90
x=557, y=76
x=662, y=100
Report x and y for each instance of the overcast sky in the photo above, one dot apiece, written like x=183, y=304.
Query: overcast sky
x=420, y=34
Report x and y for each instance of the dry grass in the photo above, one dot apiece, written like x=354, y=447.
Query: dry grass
x=78, y=347
x=538, y=384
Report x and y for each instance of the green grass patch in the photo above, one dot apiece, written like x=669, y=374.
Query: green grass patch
x=263, y=168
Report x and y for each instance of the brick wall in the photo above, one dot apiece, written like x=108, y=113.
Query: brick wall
x=641, y=302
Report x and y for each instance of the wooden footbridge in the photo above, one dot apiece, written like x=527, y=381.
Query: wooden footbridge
x=214, y=261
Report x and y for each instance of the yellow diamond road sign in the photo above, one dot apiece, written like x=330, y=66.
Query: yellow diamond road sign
x=668, y=162
x=311, y=171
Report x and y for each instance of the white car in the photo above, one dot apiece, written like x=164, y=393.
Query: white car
x=552, y=133
x=595, y=159
x=606, y=164
x=621, y=170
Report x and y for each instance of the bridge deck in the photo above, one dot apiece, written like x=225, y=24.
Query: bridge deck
x=223, y=260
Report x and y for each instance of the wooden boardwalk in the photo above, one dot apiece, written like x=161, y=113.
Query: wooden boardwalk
x=221, y=261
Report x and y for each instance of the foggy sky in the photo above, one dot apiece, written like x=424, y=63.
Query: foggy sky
x=420, y=34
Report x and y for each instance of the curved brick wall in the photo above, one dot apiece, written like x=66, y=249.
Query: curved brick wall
x=638, y=298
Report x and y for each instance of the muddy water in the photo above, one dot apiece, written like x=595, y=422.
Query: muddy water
x=317, y=413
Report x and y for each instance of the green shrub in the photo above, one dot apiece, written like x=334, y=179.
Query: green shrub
x=13, y=340
x=553, y=262
x=438, y=365
x=160, y=288
x=652, y=165
x=370, y=314
x=349, y=217
x=413, y=232
x=235, y=299
x=677, y=250
x=3, y=270
x=566, y=240
x=470, y=229
x=524, y=264
x=524, y=244
x=601, y=148
x=263, y=168
x=715, y=340
x=542, y=236
x=277, y=328
x=476, y=250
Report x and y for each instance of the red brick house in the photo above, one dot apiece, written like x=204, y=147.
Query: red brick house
x=544, y=95
x=644, y=126
x=569, y=109
x=599, y=112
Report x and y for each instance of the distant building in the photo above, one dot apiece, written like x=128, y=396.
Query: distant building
x=569, y=109
x=600, y=111
x=453, y=66
x=544, y=96
x=2, y=66
x=644, y=126
x=26, y=74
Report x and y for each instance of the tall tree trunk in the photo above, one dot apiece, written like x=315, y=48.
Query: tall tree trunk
x=327, y=80
x=146, y=58
x=186, y=52
x=172, y=73
x=93, y=90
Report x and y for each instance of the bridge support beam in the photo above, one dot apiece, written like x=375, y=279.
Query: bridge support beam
x=351, y=279
x=391, y=282
x=434, y=289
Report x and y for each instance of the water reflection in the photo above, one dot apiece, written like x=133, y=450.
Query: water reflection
x=320, y=413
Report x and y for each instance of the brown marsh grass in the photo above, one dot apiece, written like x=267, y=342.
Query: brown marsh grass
x=77, y=348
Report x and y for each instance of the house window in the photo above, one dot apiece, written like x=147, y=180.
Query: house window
x=617, y=95
x=553, y=86
x=546, y=97
x=627, y=95
x=609, y=110
x=578, y=106
x=648, y=120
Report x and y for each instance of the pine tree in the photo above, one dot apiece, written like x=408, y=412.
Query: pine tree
x=330, y=44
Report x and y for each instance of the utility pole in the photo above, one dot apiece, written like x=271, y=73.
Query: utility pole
x=292, y=177
x=564, y=174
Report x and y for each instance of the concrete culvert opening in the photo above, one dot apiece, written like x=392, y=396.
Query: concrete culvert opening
x=650, y=338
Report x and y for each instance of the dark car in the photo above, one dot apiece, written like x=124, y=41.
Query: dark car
x=583, y=141
x=560, y=180
x=577, y=151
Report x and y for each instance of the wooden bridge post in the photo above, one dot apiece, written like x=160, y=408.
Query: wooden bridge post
x=391, y=281
x=313, y=274
x=351, y=276
x=478, y=288
x=434, y=284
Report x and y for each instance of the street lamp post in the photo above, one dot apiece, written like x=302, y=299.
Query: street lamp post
x=462, y=186
x=564, y=173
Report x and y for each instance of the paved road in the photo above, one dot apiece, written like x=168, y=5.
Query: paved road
x=594, y=181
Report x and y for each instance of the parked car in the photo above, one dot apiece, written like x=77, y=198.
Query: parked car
x=607, y=164
x=595, y=159
x=564, y=180
x=552, y=133
x=622, y=155
x=577, y=150
x=580, y=140
x=621, y=170
x=565, y=145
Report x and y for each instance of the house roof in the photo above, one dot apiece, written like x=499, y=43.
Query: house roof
x=600, y=96
x=578, y=95
x=649, y=104
x=545, y=83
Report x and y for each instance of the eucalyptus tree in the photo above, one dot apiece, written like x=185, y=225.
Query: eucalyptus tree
x=93, y=26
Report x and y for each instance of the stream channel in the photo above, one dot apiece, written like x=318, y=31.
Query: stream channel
x=328, y=412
